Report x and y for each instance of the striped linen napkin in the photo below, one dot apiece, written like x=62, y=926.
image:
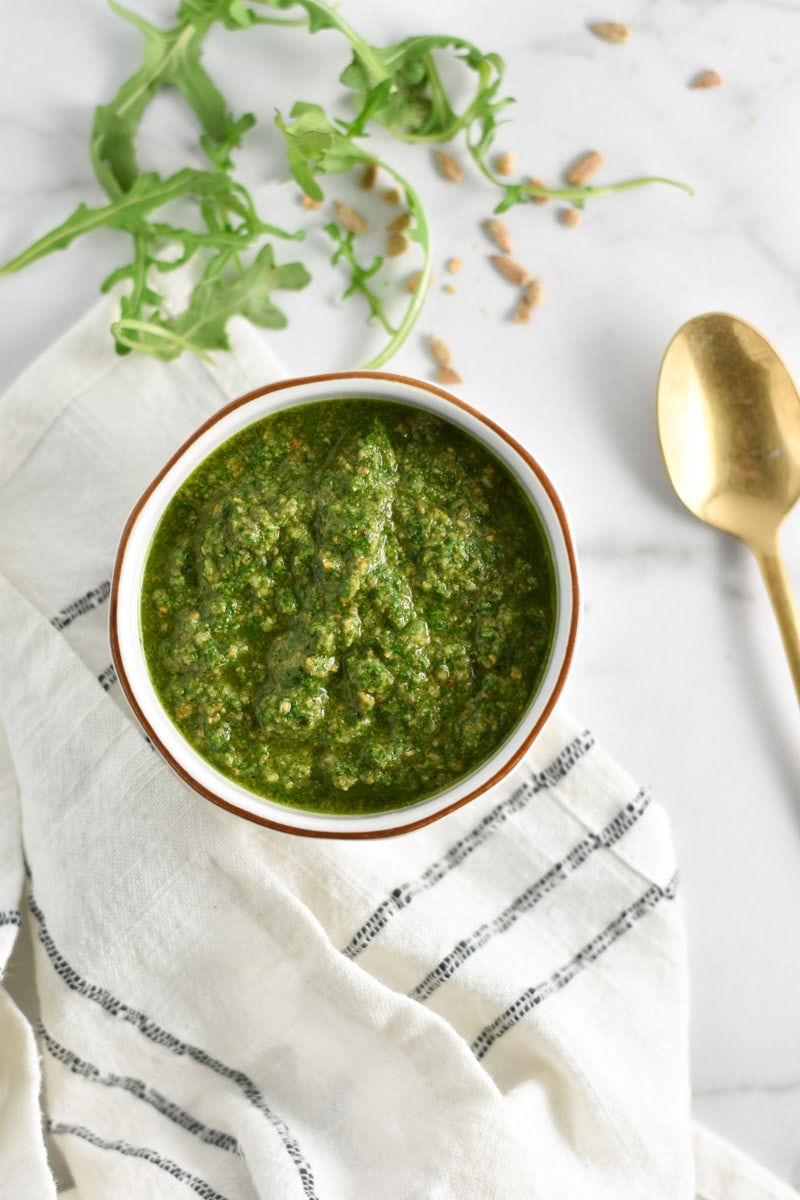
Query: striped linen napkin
x=492, y=1006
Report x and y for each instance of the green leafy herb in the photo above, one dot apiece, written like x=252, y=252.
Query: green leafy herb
x=218, y=230
x=314, y=146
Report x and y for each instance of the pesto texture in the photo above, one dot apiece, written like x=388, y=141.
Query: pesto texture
x=348, y=606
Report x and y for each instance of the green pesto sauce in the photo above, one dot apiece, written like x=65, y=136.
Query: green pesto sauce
x=348, y=606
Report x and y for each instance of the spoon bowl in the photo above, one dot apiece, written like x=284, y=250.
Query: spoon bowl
x=729, y=427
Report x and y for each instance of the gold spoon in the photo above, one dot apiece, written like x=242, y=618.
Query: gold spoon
x=729, y=427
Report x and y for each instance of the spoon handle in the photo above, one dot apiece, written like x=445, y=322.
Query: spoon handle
x=777, y=582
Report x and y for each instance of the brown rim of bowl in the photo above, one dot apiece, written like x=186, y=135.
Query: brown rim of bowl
x=383, y=376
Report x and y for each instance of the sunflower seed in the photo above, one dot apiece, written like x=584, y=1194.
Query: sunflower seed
x=451, y=169
x=706, y=79
x=370, y=174
x=612, y=31
x=501, y=235
x=399, y=224
x=584, y=167
x=532, y=182
x=506, y=163
x=396, y=244
x=441, y=351
x=513, y=272
x=349, y=219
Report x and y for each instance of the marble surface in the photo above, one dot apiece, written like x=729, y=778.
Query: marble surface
x=679, y=669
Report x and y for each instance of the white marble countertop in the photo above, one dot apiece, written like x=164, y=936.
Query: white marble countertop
x=679, y=669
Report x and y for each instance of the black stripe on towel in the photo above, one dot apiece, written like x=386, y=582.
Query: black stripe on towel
x=625, y=819
x=12, y=916
x=199, y=1186
x=529, y=999
x=142, y=1091
x=91, y=599
x=403, y=895
x=162, y=1037
x=107, y=677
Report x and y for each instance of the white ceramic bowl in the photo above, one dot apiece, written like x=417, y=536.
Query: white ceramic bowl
x=125, y=625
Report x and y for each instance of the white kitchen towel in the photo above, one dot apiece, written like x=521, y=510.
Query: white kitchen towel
x=494, y=1006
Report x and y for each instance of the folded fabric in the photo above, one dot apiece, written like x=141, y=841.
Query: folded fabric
x=492, y=1006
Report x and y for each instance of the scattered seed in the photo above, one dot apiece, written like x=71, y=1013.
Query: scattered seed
x=451, y=169
x=309, y=202
x=349, y=219
x=447, y=375
x=454, y=265
x=450, y=288
x=535, y=292
x=612, y=31
x=370, y=174
x=396, y=244
x=706, y=79
x=523, y=313
x=506, y=163
x=399, y=224
x=531, y=298
x=441, y=351
x=569, y=217
x=584, y=167
x=512, y=271
x=500, y=234
x=538, y=199
x=413, y=281
x=391, y=196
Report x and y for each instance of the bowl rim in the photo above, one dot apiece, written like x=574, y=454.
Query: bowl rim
x=345, y=832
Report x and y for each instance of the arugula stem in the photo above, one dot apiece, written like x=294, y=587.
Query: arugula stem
x=333, y=20
x=576, y=194
x=139, y=275
x=184, y=36
x=590, y=191
x=120, y=331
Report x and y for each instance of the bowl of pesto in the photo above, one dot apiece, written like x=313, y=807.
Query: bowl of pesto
x=346, y=606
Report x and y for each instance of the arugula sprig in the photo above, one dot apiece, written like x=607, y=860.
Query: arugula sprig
x=316, y=146
x=218, y=231
x=218, y=225
x=400, y=87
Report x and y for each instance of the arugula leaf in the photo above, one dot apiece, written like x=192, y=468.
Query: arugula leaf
x=230, y=223
x=414, y=105
x=129, y=213
x=359, y=275
x=248, y=293
x=314, y=145
x=219, y=296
